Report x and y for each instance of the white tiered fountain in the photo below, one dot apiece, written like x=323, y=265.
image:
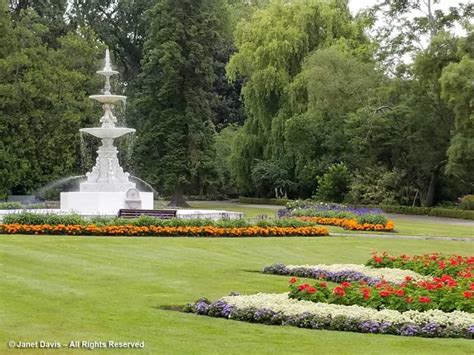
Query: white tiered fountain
x=108, y=187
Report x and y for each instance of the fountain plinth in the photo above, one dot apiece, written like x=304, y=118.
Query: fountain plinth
x=108, y=187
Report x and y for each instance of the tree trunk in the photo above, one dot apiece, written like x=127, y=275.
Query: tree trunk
x=178, y=200
x=429, y=200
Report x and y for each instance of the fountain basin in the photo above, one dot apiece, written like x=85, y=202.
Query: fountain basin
x=108, y=99
x=100, y=203
x=104, y=132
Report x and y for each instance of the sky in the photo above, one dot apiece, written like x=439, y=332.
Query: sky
x=356, y=5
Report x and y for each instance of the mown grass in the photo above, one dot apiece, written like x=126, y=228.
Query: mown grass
x=404, y=225
x=111, y=288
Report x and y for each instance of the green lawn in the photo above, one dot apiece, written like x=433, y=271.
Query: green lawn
x=98, y=288
x=404, y=225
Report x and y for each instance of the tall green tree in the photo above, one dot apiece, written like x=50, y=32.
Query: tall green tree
x=120, y=25
x=270, y=57
x=44, y=102
x=457, y=82
x=172, y=107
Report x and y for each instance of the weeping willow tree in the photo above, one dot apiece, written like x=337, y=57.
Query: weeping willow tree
x=272, y=47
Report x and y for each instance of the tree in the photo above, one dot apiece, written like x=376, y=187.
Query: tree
x=406, y=27
x=270, y=59
x=120, y=25
x=44, y=102
x=172, y=105
x=457, y=83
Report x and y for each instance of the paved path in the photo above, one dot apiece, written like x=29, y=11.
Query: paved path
x=397, y=236
x=432, y=219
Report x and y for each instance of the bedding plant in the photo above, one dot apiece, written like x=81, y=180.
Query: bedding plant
x=409, y=301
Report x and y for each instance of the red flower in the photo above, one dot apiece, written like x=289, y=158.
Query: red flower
x=339, y=291
x=345, y=284
x=323, y=284
x=310, y=290
x=472, y=286
x=377, y=259
x=400, y=293
x=468, y=294
x=423, y=299
x=453, y=262
x=409, y=299
x=384, y=293
x=408, y=278
x=303, y=286
x=441, y=265
x=293, y=280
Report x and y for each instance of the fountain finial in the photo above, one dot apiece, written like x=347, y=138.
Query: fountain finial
x=108, y=66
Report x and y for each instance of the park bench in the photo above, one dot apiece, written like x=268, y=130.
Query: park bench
x=130, y=213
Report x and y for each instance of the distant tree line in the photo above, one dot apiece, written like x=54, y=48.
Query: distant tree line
x=260, y=98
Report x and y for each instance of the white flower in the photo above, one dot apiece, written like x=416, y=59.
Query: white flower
x=389, y=274
x=290, y=307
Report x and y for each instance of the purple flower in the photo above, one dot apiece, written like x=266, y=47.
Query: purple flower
x=409, y=330
x=201, y=307
x=430, y=329
x=369, y=326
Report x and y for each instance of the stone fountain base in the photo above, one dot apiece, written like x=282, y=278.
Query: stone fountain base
x=103, y=203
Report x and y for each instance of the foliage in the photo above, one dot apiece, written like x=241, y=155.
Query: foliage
x=44, y=101
x=458, y=90
x=26, y=218
x=434, y=264
x=334, y=184
x=376, y=185
x=270, y=58
x=435, y=212
x=263, y=201
x=467, y=202
x=445, y=294
x=172, y=108
x=10, y=205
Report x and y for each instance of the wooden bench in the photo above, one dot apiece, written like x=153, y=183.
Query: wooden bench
x=163, y=214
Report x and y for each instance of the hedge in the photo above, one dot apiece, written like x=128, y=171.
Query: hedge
x=427, y=211
x=264, y=201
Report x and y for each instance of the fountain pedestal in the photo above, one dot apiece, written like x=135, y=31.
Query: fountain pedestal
x=108, y=187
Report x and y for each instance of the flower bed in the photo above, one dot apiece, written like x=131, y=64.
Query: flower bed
x=428, y=264
x=445, y=294
x=344, y=272
x=351, y=218
x=278, y=309
x=190, y=231
x=350, y=224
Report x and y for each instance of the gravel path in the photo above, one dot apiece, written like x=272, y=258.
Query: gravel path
x=431, y=219
x=396, y=236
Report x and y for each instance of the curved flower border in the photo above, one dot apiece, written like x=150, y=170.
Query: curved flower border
x=350, y=224
x=278, y=309
x=344, y=272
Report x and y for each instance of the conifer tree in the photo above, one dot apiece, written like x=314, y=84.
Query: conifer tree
x=171, y=107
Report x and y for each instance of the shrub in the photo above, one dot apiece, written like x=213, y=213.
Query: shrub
x=467, y=202
x=10, y=206
x=435, y=212
x=334, y=185
x=372, y=219
x=264, y=201
x=34, y=218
